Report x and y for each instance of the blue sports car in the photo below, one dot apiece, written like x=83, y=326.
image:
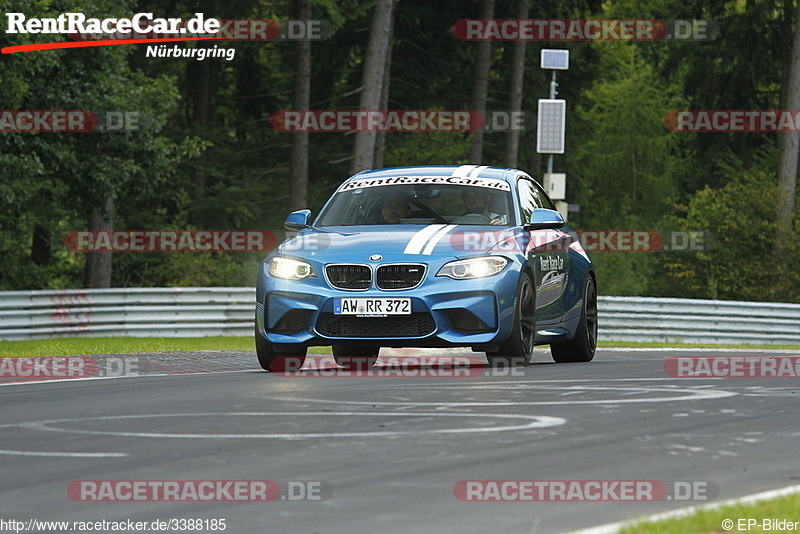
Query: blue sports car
x=429, y=256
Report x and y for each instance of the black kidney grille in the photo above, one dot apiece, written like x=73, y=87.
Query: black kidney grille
x=349, y=276
x=403, y=276
x=414, y=325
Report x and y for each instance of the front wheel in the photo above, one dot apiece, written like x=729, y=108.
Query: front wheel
x=277, y=362
x=355, y=357
x=517, y=350
x=582, y=348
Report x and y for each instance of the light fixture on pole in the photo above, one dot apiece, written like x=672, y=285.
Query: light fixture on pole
x=551, y=127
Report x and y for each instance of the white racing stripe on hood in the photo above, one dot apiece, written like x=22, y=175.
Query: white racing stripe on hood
x=416, y=243
x=436, y=238
x=463, y=170
x=476, y=172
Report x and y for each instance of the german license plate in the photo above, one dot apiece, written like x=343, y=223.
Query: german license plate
x=375, y=307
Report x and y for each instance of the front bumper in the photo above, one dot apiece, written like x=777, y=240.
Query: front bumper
x=445, y=313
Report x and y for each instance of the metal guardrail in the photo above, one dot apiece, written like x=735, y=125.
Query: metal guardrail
x=671, y=320
x=228, y=311
x=137, y=312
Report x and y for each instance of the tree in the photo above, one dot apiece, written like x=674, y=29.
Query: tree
x=625, y=168
x=85, y=172
x=480, y=83
x=516, y=87
x=380, y=139
x=372, y=81
x=301, y=99
x=626, y=162
x=743, y=227
x=790, y=144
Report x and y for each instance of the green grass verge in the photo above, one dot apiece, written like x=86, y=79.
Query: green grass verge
x=120, y=345
x=710, y=521
x=125, y=345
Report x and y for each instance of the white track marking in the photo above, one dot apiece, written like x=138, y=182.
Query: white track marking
x=66, y=454
x=141, y=375
x=611, y=528
x=533, y=422
x=690, y=395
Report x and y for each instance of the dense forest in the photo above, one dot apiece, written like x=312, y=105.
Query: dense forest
x=208, y=156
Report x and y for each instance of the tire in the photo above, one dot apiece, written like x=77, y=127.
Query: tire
x=355, y=357
x=278, y=362
x=517, y=350
x=582, y=348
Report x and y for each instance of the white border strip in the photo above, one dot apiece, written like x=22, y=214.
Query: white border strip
x=697, y=349
x=612, y=528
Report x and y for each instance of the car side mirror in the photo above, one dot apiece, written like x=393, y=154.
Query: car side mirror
x=297, y=220
x=544, y=219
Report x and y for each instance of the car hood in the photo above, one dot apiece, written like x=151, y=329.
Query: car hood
x=392, y=242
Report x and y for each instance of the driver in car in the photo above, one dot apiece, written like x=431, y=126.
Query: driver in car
x=394, y=209
x=476, y=200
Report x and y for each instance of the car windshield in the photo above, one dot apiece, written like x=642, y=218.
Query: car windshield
x=419, y=204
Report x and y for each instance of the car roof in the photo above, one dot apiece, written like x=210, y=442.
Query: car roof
x=473, y=171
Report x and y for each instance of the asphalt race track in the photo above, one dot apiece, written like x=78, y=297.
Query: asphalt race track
x=384, y=453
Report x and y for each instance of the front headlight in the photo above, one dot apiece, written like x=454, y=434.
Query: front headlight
x=473, y=267
x=290, y=269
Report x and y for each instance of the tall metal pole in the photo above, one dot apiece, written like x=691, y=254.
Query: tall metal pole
x=553, y=93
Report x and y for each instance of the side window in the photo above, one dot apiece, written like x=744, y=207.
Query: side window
x=531, y=197
x=542, y=199
x=527, y=199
